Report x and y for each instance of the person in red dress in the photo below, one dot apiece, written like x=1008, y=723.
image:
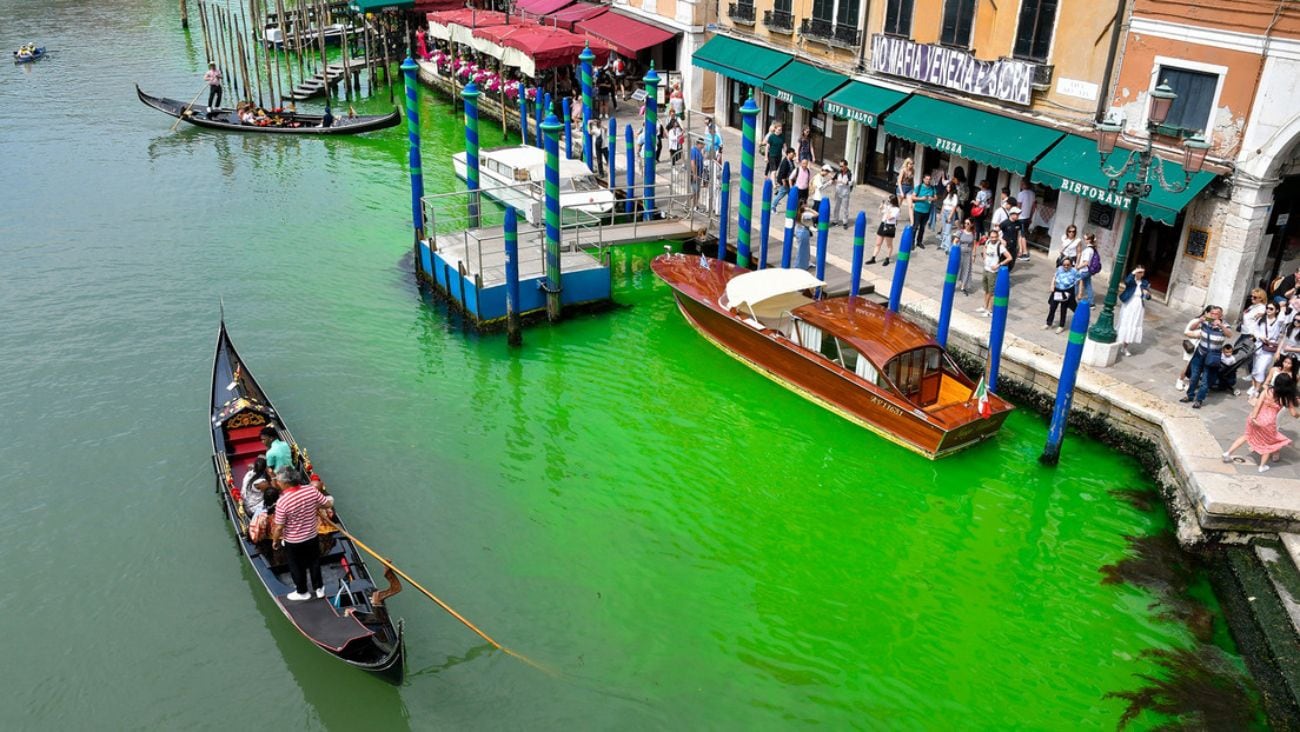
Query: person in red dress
x=1261, y=427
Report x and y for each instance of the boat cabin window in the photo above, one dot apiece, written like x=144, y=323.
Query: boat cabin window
x=840, y=351
x=918, y=373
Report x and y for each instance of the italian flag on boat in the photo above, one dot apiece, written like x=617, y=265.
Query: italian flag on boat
x=981, y=395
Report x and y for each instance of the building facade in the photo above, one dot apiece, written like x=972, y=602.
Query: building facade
x=689, y=18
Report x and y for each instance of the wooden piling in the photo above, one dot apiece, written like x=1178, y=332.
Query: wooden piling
x=203, y=24
x=185, y=16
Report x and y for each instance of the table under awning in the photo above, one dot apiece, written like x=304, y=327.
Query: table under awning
x=802, y=84
x=862, y=102
x=1073, y=166
x=744, y=62
x=572, y=14
x=984, y=137
x=626, y=35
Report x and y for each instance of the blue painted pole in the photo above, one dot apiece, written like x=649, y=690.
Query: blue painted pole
x=630, y=148
x=1001, y=294
x=823, y=232
x=567, y=110
x=724, y=223
x=1065, y=385
x=551, y=198
x=612, y=152
x=900, y=269
x=523, y=116
x=471, y=94
x=585, y=60
x=787, y=242
x=949, y=290
x=859, y=246
x=748, y=117
x=513, y=335
x=413, y=138
x=764, y=223
x=651, y=138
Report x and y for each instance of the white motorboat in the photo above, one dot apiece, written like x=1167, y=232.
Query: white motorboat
x=275, y=37
x=514, y=176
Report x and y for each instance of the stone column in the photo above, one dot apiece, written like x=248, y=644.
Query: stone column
x=1241, y=248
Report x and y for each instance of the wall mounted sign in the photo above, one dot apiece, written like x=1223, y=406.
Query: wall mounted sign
x=1198, y=240
x=1008, y=79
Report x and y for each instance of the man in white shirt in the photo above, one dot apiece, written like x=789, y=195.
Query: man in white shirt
x=996, y=256
x=1028, y=202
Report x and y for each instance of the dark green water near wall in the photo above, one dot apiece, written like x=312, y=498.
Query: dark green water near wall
x=691, y=545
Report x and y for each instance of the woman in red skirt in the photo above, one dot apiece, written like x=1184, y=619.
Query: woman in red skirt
x=1261, y=426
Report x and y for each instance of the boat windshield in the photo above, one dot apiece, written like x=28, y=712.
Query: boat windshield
x=580, y=184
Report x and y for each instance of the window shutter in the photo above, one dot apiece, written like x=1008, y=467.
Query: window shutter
x=1046, y=22
x=948, y=31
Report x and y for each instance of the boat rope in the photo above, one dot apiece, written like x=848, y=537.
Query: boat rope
x=443, y=605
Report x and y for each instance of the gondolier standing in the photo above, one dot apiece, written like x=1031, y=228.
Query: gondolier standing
x=213, y=77
x=295, y=528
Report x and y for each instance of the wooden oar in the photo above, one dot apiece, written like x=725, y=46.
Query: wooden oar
x=440, y=603
x=187, y=106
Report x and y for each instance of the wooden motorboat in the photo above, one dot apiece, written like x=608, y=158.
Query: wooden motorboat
x=351, y=622
x=848, y=354
x=514, y=176
x=288, y=123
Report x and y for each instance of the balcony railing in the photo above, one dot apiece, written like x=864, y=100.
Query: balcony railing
x=836, y=34
x=741, y=13
x=781, y=21
x=1042, y=80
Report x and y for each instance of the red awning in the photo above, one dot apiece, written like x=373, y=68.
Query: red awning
x=547, y=47
x=538, y=8
x=628, y=36
x=429, y=6
x=572, y=14
x=468, y=17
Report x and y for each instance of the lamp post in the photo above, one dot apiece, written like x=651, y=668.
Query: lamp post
x=1194, y=151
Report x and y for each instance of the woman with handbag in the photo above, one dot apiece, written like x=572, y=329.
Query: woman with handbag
x=1064, y=284
x=979, y=208
x=1268, y=334
x=887, y=230
x=1132, y=311
x=1070, y=243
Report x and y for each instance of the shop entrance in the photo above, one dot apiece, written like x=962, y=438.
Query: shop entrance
x=737, y=93
x=1284, y=225
x=832, y=134
x=1155, y=245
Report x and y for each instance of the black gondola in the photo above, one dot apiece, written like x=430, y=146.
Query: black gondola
x=351, y=623
x=292, y=123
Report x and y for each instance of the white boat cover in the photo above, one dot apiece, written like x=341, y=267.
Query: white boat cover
x=753, y=288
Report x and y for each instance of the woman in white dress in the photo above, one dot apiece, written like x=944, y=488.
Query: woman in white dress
x=1268, y=336
x=1137, y=290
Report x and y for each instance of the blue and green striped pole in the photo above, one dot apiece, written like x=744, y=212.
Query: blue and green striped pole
x=859, y=246
x=724, y=221
x=413, y=137
x=949, y=291
x=513, y=335
x=471, y=94
x=787, y=242
x=823, y=231
x=748, y=116
x=611, y=149
x=651, y=138
x=1065, y=385
x=1001, y=296
x=566, y=111
x=629, y=140
x=900, y=269
x=585, y=59
x=551, y=195
x=764, y=223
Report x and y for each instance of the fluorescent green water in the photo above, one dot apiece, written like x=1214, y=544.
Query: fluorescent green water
x=687, y=543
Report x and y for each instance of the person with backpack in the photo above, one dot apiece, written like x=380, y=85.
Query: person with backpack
x=1089, y=265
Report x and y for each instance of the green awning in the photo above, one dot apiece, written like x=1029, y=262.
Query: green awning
x=738, y=60
x=862, y=102
x=370, y=6
x=984, y=137
x=802, y=84
x=1074, y=166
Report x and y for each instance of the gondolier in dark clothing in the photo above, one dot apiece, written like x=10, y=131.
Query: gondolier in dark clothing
x=213, y=77
x=295, y=528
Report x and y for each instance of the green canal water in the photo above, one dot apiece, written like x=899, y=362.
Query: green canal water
x=687, y=544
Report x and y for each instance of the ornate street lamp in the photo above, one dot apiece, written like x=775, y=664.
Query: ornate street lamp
x=1194, y=151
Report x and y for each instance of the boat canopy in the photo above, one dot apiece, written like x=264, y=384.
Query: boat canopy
x=769, y=292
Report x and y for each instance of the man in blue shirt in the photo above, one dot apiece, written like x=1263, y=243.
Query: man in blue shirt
x=922, y=199
x=697, y=171
x=278, y=453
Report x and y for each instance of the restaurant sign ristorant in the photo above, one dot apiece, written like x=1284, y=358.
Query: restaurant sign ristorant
x=1007, y=79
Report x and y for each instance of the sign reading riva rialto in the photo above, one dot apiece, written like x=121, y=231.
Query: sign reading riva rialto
x=849, y=113
x=1007, y=79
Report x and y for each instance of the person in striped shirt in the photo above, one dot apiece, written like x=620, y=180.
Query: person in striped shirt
x=295, y=528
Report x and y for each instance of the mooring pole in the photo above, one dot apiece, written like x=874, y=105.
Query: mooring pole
x=470, y=93
x=1065, y=385
x=823, y=232
x=651, y=138
x=513, y=334
x=949, y=291
x=551, y=194
x=787, y=241
x=538, y=100
x=1001, y=296
x=523, y=115
x=748, y=116
x=900, y=269
x=724, y=222
x=413, y=136
x=611, y=151
x=566, y=110
x=859, y=246
x=185, y=16
x=585, y=60
x=629, y=149
x=764, y=223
